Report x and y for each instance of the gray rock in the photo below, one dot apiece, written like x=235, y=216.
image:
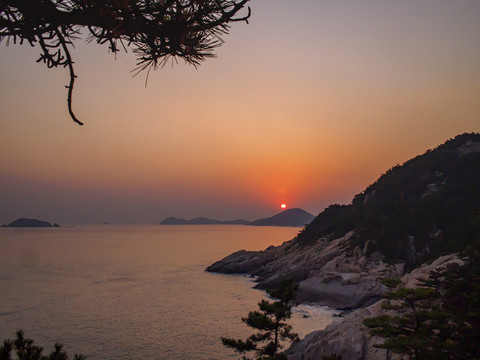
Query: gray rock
x=240, y=262
x=339, y=292
x=348, y=337
x=469, y=147
x=325, y=273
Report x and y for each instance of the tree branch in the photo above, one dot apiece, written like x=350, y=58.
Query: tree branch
x=158, y=29
x=69, y=63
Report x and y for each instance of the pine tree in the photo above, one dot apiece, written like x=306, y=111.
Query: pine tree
x=407, y=330
x=458, y=289
x=438, y=320
x=26, y=350
x=157, y=30
x=269, y=320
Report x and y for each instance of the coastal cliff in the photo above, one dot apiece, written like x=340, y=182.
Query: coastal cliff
x=415, y=212
x=415, y=215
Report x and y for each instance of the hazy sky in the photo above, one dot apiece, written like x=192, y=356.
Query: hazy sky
x=307, y=105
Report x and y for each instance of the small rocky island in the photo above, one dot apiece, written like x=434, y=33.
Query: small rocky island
x=26, y=222
x=415, y=218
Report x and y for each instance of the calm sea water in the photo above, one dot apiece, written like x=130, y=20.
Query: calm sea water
x=133, y=292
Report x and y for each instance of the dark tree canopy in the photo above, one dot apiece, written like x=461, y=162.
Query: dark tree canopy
x=156, y=29
x=440, y=319
x=25, y=349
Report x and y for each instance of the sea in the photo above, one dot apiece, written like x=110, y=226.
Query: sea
x=134, y=291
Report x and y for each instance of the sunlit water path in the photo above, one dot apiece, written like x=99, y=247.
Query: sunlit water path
x=133, y=292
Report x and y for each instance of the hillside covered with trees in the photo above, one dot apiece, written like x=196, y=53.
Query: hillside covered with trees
x=417, y=211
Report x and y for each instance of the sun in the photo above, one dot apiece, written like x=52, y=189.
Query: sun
x=283, y=206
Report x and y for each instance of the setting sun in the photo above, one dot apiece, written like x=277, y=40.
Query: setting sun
x=283, y=206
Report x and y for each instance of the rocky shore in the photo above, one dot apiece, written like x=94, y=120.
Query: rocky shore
x=412, y=214
x=326, y=274
x=348, y=336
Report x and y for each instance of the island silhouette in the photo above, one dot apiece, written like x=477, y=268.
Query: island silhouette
x=290, y=217
x=26, y=222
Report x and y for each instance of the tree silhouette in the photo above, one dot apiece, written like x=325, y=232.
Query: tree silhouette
x=270, y=323
x=156, y=29
x=440, y=319
x=25, y=350
x=408, y=330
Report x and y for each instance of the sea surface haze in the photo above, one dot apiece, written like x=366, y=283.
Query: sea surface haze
x=133, y=291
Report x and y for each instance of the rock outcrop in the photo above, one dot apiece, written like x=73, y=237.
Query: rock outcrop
x=348, y=337
x=325, y=273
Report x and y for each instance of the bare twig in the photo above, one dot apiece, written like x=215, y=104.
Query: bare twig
x=69, y=63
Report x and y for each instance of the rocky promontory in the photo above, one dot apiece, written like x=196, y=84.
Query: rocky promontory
x=418, y=213
x=325, y=273
x=415, y=212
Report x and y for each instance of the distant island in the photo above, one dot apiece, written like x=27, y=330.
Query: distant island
x=290, y=217
x=25, y=222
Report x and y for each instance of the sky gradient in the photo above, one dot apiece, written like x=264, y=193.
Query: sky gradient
x=307, y=105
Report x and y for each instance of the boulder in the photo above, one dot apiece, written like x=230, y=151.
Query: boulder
x=240, y=262
x=348, y=337
x=341, y=291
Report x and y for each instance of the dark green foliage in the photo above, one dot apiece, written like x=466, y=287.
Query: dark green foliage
x=269, y=320
x=26, y=350
x=409, y=332
x=334, y=221
x=6, y=349
x=459, y=294
x=438, y=320
x=431, y=203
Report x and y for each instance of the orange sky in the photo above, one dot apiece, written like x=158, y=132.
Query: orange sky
x=308, y=104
